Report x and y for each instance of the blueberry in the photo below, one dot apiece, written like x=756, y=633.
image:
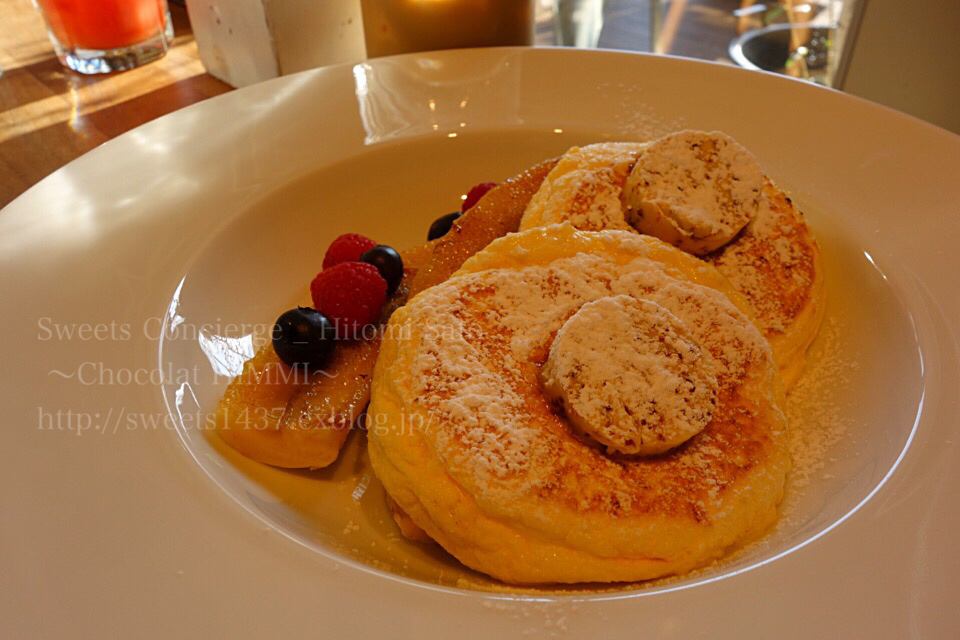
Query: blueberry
x=388, y=262
x=304, y=337
x=442, y=225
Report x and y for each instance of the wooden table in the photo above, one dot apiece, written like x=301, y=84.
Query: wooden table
x=50, y=115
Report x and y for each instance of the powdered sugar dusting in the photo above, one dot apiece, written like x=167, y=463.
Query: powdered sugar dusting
x=772, y=263
x=816, y=424
x=477, y=397
x=498, y=435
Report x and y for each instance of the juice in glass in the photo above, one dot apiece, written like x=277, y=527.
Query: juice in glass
x=99, y=36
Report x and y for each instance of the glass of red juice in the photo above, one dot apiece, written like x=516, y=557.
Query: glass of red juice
x=102, y=36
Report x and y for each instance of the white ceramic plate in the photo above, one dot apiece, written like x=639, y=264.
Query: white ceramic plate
x=124, y=517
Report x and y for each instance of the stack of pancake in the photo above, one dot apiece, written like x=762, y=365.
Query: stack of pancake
x=597, y=397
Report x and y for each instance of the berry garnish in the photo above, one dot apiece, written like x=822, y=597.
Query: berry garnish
x=303, y=337
x=388, y=262
x=442, y=225
x=351, y=294
x=475, y=193
x=347, y=248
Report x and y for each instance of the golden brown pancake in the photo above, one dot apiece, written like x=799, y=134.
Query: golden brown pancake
x=471, y=448
x=773, y=260
x=775, y=263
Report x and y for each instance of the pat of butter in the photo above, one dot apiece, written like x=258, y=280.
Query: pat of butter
x=247, y=41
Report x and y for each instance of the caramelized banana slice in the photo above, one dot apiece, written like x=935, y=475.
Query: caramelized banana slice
x=283, y=417
x=496, y=214
x=271, y=414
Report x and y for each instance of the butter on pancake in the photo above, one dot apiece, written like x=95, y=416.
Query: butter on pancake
x=476, y=455
x=696, y=189
x=631, y=376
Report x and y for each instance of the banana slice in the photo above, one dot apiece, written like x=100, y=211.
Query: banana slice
x=279, y=416
x=694, y=190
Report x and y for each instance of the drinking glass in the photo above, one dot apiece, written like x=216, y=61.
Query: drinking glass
x=101, y=36
x=579, y=22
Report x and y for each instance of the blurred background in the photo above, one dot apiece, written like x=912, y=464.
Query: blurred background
x=900, y=54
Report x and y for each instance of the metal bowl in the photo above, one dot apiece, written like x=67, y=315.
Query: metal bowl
x=768, y=49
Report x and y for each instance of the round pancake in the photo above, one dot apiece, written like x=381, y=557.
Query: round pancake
x=774, y=261
x=470, y=447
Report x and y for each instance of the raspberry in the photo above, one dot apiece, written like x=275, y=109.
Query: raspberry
x=351, y=294
x=347, y=248
x=476, y=192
